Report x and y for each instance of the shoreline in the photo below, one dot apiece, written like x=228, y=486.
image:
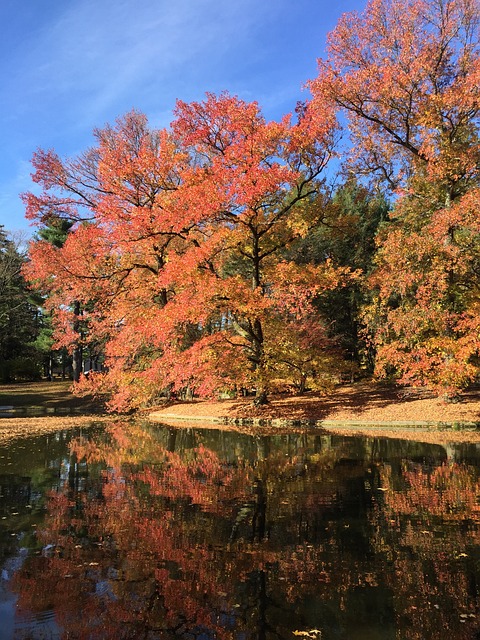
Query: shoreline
x=432, y=433
x=357, y=409
x=361, y=408
x=15, y=428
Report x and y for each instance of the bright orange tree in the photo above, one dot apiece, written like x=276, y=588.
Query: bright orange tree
x=176, y=254
x=407, y=75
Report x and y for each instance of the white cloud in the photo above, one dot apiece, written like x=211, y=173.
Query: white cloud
x=68, y=66
x=104, y=52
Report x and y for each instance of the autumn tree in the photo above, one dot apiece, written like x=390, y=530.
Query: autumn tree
x=108, y=265
x=175, y=253
x=264, y=176
x=406, y=74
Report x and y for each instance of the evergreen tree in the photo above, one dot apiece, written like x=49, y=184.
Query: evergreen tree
x=55, y=231
x=18, y=316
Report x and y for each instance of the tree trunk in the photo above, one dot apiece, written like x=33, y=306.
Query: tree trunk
x=261, y=397
x=77, y=363
x=303, y=384
x=77, y=352
x=64, y=364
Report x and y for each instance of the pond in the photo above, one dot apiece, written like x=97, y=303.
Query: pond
x=144, y=531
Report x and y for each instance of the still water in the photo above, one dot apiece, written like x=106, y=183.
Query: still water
x=142, y=531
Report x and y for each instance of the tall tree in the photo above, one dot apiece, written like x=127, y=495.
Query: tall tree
x=176, y=251
x=18, y=316
x=109, y=262
x=407, y=74
x=264, y=176
x=55, y=231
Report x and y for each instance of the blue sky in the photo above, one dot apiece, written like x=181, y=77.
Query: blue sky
x=68, y=66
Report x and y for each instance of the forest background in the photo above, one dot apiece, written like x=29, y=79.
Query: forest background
x=228, y=254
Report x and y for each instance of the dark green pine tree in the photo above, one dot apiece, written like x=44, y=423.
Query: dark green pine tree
x=56, y=232
x=18, y=317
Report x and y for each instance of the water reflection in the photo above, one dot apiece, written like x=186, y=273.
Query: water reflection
x=147, y=532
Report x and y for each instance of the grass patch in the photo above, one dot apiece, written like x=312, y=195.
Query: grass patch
x=48, y=395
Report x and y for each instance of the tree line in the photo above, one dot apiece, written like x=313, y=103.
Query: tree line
x=221, y=254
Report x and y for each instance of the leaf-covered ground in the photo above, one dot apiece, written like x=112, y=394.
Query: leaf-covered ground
x=63, y=409
x=351, y=408
x=348, y=404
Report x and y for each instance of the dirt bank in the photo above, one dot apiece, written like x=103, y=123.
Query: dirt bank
x=357, y=408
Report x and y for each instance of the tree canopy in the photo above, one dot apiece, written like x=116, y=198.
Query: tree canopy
x=407, y=76
x=176, y=253
x=213, y=256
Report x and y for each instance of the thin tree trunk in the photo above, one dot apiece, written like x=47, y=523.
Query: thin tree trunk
x=77, y=352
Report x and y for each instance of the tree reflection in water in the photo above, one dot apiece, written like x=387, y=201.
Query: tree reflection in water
x=256, y=538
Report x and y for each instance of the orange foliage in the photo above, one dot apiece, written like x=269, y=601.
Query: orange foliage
x=176, y=251
x=407, y=76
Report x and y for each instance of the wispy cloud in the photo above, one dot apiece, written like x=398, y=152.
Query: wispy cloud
x=100, y=53
x=68, y=66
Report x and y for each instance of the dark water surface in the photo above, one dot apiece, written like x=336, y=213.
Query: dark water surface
x=155, y=533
